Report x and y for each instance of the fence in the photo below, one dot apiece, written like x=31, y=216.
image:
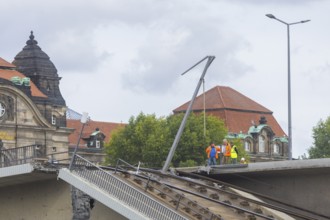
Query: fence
x=21, y=155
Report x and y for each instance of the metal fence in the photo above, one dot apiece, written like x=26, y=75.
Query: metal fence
x=21, y=155
x=123, y=191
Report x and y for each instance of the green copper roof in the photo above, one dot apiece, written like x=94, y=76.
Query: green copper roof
x=281, y=139
x=240, y=136
x=95, y=133
x=254, y=129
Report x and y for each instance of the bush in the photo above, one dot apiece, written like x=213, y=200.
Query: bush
x=188, y=163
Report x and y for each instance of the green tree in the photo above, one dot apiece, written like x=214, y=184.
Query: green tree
x=321, y=144
x=148, y=139
x=193, y=143
x=143, y=139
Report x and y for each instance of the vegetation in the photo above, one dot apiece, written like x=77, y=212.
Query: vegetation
x=148, y=139
x=321, y=135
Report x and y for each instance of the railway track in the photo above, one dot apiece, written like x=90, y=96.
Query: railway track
x=213, y=199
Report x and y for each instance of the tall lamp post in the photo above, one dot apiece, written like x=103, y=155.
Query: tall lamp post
x=84, y=119
x=289, y=80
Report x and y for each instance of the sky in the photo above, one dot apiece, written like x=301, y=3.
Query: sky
x=118, y=58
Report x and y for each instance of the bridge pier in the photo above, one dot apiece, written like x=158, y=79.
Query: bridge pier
x=81, y=204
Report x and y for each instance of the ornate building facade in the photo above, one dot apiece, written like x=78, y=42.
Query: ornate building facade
x=32, y=109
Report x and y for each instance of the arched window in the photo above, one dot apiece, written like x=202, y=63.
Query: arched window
x=247, y=146
x=276, y=148
x=53, y=120
x=261, y=144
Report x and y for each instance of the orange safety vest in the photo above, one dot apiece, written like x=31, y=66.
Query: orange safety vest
x=228, y=149
x=208, y=151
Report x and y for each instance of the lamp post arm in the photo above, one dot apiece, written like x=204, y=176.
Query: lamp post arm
x=283, y=21
x=295, y=23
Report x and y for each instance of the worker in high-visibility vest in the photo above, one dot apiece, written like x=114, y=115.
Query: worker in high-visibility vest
x=233, y=154
x=227, y=151
x=212, y=154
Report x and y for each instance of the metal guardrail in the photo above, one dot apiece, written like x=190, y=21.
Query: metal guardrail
x=21, y=155
x=122, y=191
x=62, y=157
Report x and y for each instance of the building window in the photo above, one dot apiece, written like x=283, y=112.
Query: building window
x=98, y=144
x=261, y=144
x=247, y=146
x=2, y=109
x=53, y=120
x=276, y=149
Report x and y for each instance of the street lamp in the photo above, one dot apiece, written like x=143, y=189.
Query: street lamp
x=84, y=119
x=289, y=80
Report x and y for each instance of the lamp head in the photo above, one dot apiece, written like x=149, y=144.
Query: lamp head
x=304, y=21
x=84, y=118
x=271, y=16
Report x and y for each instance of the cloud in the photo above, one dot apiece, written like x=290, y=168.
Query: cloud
x=126, y=56
x=297, y=3
x=171, y=47
x=75, y=50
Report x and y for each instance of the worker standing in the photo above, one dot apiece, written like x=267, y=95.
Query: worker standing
x=233, y=154
x=212, y=154
x=227, y=151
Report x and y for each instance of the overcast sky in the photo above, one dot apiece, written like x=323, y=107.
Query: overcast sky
x=118, y=58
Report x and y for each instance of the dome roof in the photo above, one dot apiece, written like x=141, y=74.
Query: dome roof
x=33, y=61
x=35, y=64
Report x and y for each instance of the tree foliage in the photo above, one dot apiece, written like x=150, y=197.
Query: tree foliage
x=143, y=139
x=193, y=143
x=321, y=144
x=148, y=139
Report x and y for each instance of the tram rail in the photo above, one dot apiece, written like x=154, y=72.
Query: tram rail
x=224, y=187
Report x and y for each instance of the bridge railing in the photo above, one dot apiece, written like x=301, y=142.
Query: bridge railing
x=122, y=191
x=166, y=192
x=21, y=155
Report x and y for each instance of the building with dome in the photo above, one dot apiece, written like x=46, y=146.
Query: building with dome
x=36, y=65
x=255, y=125
x=32, y=109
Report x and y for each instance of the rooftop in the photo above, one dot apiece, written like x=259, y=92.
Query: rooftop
x=235, y=109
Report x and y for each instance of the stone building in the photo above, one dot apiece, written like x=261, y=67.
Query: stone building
x=32, y=109
x=255, y=125
x=36, y=65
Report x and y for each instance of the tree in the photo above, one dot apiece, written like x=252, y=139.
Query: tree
x=148, y=139
x=143, y=139
x=321, y=135
x=193, y=143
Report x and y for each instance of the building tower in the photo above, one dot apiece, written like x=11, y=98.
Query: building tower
x=36, y=64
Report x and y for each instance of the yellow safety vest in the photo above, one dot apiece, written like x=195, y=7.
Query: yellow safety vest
x=233, y=153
